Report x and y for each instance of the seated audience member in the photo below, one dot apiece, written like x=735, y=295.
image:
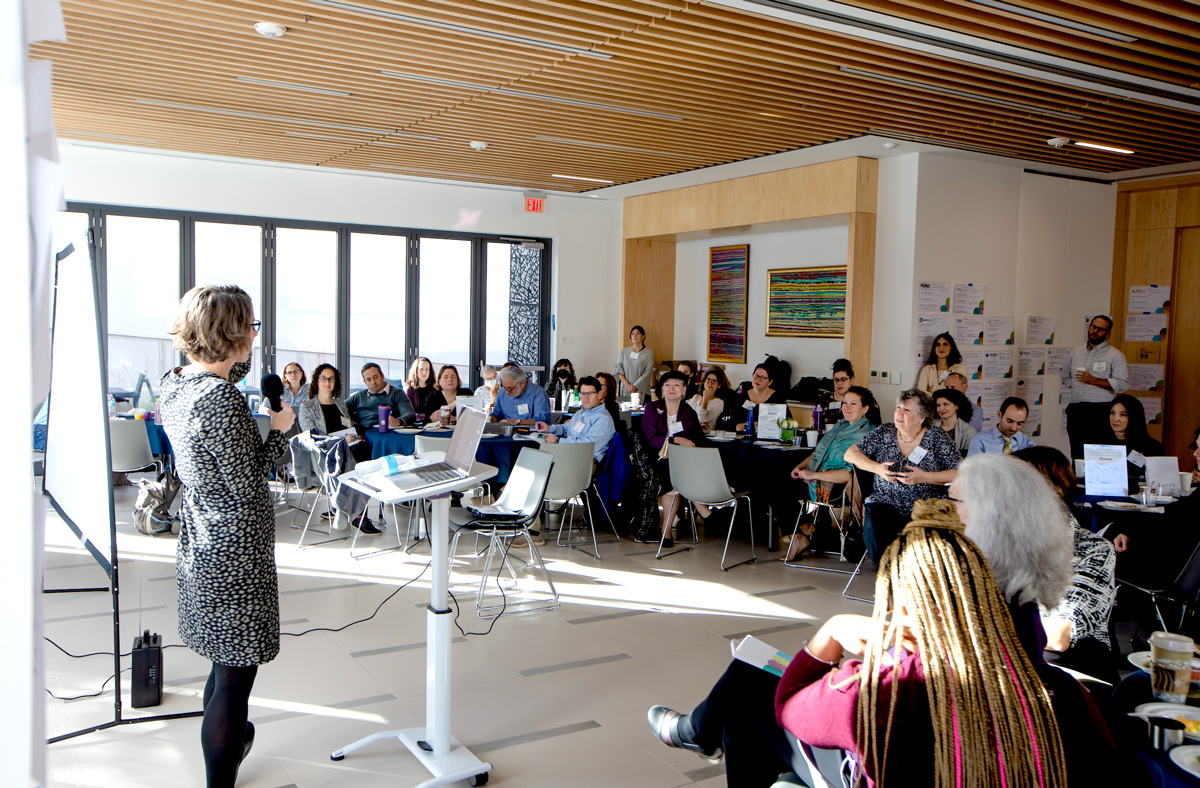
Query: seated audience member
x=364, y=404
x=944, y=359
x=590, y=424
x=635, y=365
x=827, y=465
x=449, y=387
x=688, y=370
x=709, y=402
x=325, y=413
x=295, y=393
x=954, y=416
x=491, y=386
x=760, y=392
x=900, y=480
x=1127, y=427
x=520, y=402
x=562, y=382
x=669, y=420
x=608, y=395
x=1077, y=630
x=1006, y=437
x=959, y=383
x=419, y=384
x=950, y=665
x=843, y=379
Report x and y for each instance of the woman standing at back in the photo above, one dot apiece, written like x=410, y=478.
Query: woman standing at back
x=225, y=562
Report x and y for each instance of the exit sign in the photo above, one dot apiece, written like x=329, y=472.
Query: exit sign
x=535, y=205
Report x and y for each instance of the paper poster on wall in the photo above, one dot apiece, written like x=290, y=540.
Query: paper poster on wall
x=968, y=331
x=1057, y=359
x=969, y=298
x=1030, y=390
x=933, y=296
x=973, y=361
x=997, y=364
x=1146, y=377
x=990, y=400
x=1039, y=330
x=1146, y=328
x=928, y=327
x=1149, y=299
x=1031, y=361
x=920, y=365
x=1153, y=408
x=1033, y=423
x=999, y=331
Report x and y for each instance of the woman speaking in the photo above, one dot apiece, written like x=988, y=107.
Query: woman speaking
x=225, y=560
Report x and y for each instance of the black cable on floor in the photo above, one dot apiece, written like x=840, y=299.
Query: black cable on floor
x=93, y=695
x=503, y=596
x=361, y=620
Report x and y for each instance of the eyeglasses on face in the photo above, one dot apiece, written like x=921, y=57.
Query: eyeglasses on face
x=842, y=379
x=328, y=378
x=761, y=377
x=256, y=325
x=1192, y=446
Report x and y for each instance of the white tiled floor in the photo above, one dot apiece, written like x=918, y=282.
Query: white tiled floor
x=549, y=699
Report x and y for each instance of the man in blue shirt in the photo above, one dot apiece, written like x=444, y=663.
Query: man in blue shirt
x=1006, y=437
x=590, y=424
x=518, y=402
x=364, y=405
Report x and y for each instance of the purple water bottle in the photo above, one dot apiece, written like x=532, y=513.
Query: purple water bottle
x=817, y=412
x=385, y=411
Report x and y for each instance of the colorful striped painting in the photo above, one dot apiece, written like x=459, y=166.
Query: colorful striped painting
x=806, y=302
x=728, y=291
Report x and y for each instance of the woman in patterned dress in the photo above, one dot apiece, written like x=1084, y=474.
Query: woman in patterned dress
x=225, y=561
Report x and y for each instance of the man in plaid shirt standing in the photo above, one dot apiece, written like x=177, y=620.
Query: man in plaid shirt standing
x=1098, y=371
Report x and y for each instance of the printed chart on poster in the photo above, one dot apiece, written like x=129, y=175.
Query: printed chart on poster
x=999, y=331
x=1149, y=299
x=1030, y=390
x=933, y=296
x=1031, y=361
x=969, y=299
x=1147, y=377
x=973, y=361
x=997, y=364
x=1039, y=330
x=1146, y=328
x=968, y=331
x=1057, y=359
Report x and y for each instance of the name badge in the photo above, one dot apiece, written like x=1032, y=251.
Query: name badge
x=748, y=405
x=633, y=355
x=578, y=427
x=674, y=427
x=835, y=405
x=523, y=410
x=917, y=455
x=1137, y=458
x=1099, y=367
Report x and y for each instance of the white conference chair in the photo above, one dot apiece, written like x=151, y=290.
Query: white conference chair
x=697, y=475
x=569, y=483
x=129, y=447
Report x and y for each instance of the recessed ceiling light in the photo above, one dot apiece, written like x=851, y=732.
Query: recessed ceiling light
x=608, y=146
x=1029, y=13
x=526, y=94
x=578, y=178
x=959, y=93
x=239, y=114
x=72, y=132
x=475, y=31
x=1109, y=148
x=292, y=86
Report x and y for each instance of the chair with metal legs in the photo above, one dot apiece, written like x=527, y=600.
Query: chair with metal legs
x=841, y=511
x=518, y=506
x=327, y=486
x=697, y=475
x=571, y=482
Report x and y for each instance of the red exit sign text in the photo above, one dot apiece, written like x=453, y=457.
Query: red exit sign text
x=535, y=205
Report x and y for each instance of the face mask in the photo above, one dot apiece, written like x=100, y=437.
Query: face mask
x=563, y=373
x=491, y=384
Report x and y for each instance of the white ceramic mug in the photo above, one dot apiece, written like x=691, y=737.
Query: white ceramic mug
x=1185, y=482
x=812, y=438
x=1079, y=468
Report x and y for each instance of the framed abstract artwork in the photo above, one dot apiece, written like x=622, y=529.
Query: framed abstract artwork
x=806, y=302
x=728, y=295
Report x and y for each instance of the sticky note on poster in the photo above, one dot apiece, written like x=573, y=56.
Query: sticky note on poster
x=997, y=363
x=999, y=331
x=933, y=296
x=1146, y=328
x=1030, y=390
x=1147, y=377
x=968, y=331
x=1039, y=330
x=969, y=298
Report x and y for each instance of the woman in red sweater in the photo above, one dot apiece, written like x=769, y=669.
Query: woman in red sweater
x=985, y=711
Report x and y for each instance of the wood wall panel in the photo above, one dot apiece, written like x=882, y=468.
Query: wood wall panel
x=1187, y=207
x=1183, y=381
x=860, y=289
x=827, y=189
x=1152, y=210
x=648, y=293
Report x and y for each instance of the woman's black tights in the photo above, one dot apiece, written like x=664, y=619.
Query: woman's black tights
x=224, y=732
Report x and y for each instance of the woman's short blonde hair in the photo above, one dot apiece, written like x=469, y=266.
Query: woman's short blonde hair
x=213, y=322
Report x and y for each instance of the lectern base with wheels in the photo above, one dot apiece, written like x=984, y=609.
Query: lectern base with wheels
x=439, y=752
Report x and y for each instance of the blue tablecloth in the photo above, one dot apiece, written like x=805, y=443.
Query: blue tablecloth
x=498, y=451
x=160, y=444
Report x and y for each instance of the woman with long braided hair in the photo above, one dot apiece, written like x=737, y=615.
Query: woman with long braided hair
x=946, y=693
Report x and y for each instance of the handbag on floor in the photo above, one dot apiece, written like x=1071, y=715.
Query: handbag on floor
x=152, y=509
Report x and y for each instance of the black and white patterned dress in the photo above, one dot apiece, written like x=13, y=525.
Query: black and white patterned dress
x=225, y=561
x=882, y=445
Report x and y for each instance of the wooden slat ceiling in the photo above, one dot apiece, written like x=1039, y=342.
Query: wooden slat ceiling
x=684, y=85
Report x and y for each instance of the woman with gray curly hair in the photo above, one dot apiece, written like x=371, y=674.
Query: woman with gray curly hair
x=911, y=461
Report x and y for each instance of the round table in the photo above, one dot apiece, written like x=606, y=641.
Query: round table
x=759, y=468
x=500, y=451
x=1159, y=543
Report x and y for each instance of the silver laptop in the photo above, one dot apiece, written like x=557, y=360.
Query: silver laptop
x=459, y=456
